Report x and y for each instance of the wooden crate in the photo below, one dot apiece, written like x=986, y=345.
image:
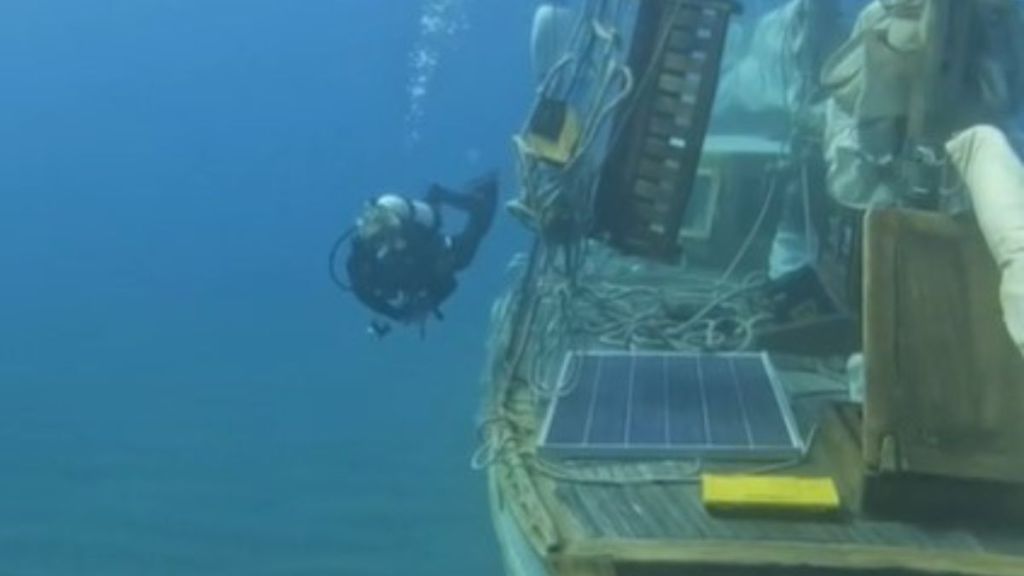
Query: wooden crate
x=945, y=384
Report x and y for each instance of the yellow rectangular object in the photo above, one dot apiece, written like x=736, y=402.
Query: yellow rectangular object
x=780, y=494
x=554, y=131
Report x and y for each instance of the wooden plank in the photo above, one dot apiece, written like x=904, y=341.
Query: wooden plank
x=941, y=500
x=879, y=333
x=819, y=336
x=767, y=570
x=581, y=567
x=840, y=441
x=944, y=394
x=757, y=555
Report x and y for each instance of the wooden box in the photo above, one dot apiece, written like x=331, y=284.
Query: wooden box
x=945, y=384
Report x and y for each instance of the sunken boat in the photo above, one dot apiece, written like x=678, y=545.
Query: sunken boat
x=771, y=320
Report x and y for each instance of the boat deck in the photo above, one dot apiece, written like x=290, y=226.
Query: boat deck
x=673, y=510
x=652, y=511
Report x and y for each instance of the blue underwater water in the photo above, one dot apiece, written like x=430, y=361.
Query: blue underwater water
x=182, y=389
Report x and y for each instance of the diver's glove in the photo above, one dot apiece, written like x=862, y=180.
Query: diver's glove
x=437, y=195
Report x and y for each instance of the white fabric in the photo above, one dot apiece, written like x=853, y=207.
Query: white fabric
x=552, y=26
x=855, y=179
x=869, y=79
x=869, y=74
x=795, y=244
x=855, y=377
x=995, y=180
x=765, y=79
x=789, y=252
x=758, y=81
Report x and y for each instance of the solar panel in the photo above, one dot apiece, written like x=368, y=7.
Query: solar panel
x=669, y=405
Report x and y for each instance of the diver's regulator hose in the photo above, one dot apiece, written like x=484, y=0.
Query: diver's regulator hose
x=332, y=263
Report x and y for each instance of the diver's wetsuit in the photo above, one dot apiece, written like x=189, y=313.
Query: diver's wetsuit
x=478, y=202
x=408, y=283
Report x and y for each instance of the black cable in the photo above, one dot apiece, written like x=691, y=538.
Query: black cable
x=332, y=264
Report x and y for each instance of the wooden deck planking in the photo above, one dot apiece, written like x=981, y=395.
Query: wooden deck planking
x=666, y=511
x=590, y=512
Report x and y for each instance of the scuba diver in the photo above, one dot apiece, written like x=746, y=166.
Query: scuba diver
x=401, y=264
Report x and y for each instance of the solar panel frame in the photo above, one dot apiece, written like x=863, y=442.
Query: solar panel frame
x=585, y=448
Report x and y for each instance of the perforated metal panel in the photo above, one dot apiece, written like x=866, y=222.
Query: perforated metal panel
x=646, y=184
